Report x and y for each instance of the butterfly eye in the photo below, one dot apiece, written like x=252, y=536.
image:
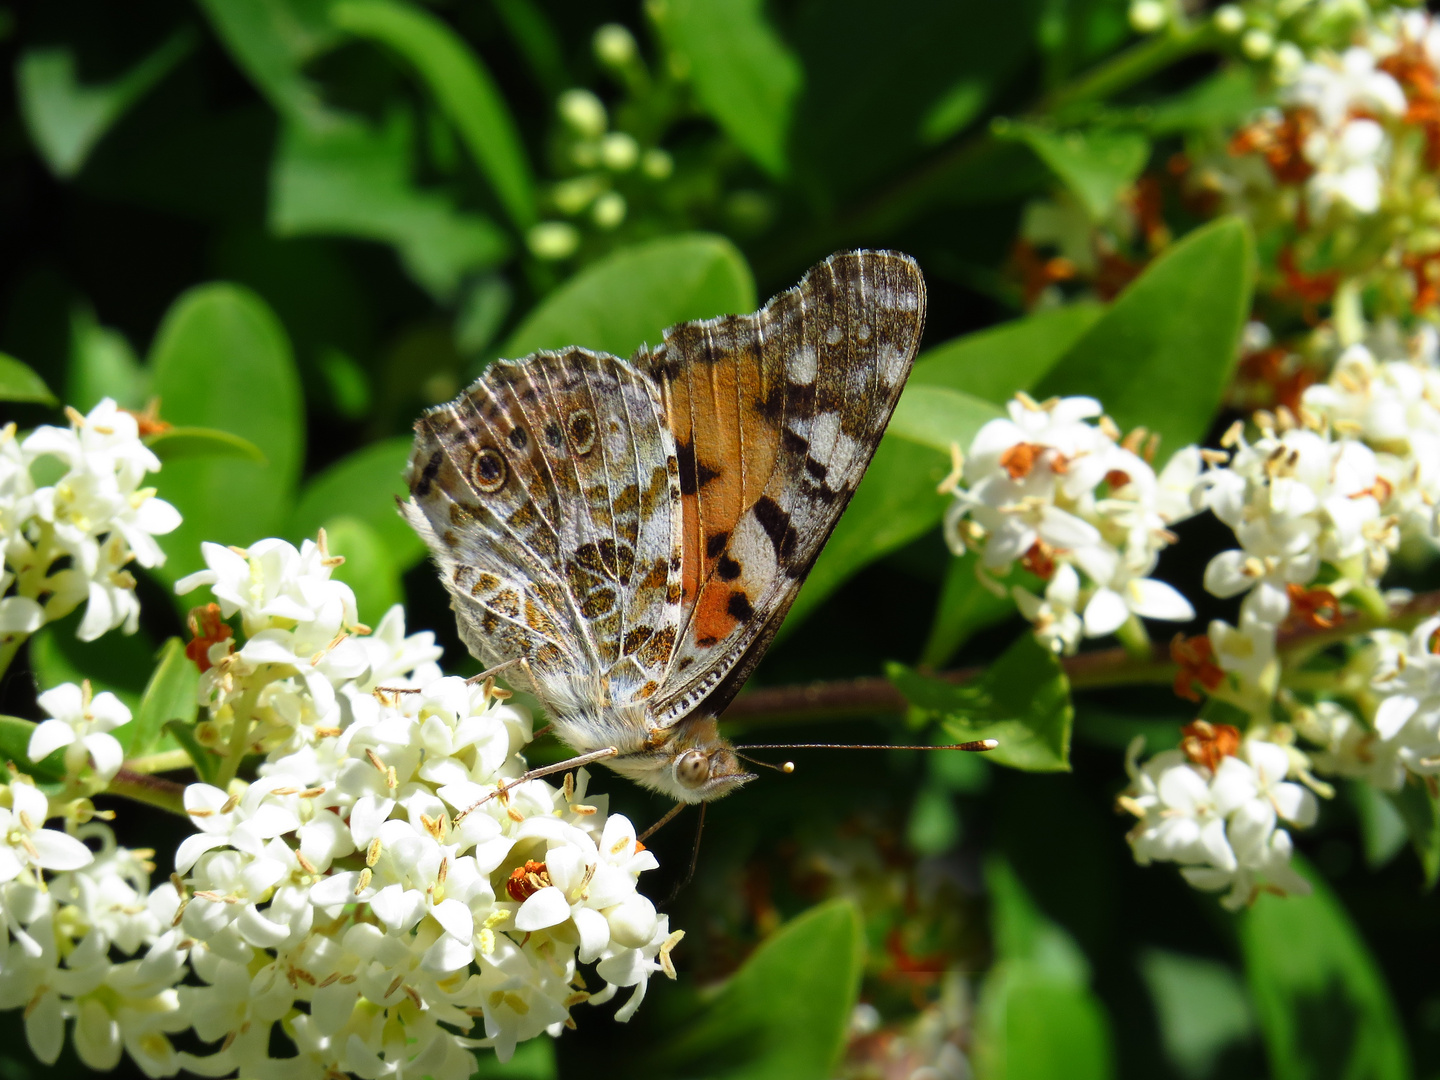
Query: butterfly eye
x=692, y=768
x=487, y=470
x=582, y=432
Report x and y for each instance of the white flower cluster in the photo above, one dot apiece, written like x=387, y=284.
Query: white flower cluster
x=1215, y=807
x=1404, y=730
x=74, y=494
x=1295, y=498
x=1068, y=497
x=1387, y=394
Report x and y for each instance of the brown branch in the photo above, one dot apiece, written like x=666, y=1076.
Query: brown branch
x=151, y=790
x=1104, y=667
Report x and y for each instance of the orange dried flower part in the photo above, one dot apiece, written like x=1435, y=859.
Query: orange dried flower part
x=209, y=628
x=1037, y=272
x=1425, y=271
x=1318, y=608
x=1281, y=143
x=1039, y=560
x=1196, y=657
x=148, y=421
x=1207, y=744
x=1283, y=375
x=525, y=881
x=1021, y=458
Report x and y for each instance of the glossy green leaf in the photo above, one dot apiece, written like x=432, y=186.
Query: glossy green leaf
x=180, y=443
x=1097, y=165
x=351, y=179
x=19, y=382
x=632, y=296
x=369, y=568
x=15, y=736
x=1319, y=995
x=994, y=364
x=116, y=662
x=102, y=364
x=1419, y=806
x=1037, y=1019
x=221, y=360
x=67, y=118
x=461, y=87
x=897, y=500
x=206, y=764
x=272, y=41
x=965, y=606
x=169, y=695
x=1162, y=355
x=784, y=1014
x=1226, y=99
x=743, y=73
x=1022, y=700
x=1202, y=1008
x=364, y=487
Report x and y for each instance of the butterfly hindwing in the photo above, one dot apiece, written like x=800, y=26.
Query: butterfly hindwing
x=775, y=417
x=548, y=493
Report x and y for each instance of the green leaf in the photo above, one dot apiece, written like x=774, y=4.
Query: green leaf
x=633, y=295
x=462, y=88
x=533, y=1060
x=965, y=606
x=994, y=364
x=15, y=736
x=180, y=443
x=1224, y=100
x=1097, y=165
x=116, y=662
x=369, y=568
x=205, y=762
x=1022, y=699
x=348, y=178
x=364, y=487
x=1162, y=355
x=743, y=73
x=784, y=1015
x=1419, y=806
x=938, y=417
x=102, y=364
x=271, y=41
x=1383, y=831
x=1202, y=1008
x=169, y=695
x=1037, y=1019
x=19, y=382
x=221, y=360
x=65, y=118
x=1319, y=995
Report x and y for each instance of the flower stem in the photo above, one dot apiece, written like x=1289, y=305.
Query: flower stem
x=163, y=761
x=151, y=790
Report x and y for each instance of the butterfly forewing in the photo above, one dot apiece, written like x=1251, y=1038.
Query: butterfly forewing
x=775, y=418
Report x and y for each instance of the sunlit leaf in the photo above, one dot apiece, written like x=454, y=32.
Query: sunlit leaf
x=461, y=86
x=1319, y=995
x=363, y=487
x=102, y=364
x=938, y=417
x=631, y=296
x=743, y=73
x=965, y=606
x=180, y=443
x=1383, y=831
x=1097, y=165
x=349, y=178
x=784, y=1014
x=206, y=764
x=369, y=567
x=66, y=118
x=19, y=382
x=1162, y=355
x=15, y=734
x=272, y=40
x=221, y=360
x=1201, y=1005
x=993, y=364
x=1022, y=700
x=1230, y=96
x=169, y=695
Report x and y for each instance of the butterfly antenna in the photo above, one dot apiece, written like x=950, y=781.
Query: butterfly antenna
x=787, y=768
x=979, y=745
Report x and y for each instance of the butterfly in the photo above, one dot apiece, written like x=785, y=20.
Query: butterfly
x=634, y=531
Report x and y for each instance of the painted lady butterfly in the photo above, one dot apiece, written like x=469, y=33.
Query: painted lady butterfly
x=635, y=531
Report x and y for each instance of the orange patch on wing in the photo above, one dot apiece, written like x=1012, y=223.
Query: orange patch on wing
x=712, y=621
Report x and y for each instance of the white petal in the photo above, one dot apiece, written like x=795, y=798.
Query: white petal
x=1225, y=577
x=1393, y=714
x=547, y=907
x=20, y=615
x=455, y=917
x=57, y=851
x=1156, y=600
x=1105, y=613
x=48, y=737
x=594, y=933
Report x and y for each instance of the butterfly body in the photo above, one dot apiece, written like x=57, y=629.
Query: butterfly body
x=635, y=531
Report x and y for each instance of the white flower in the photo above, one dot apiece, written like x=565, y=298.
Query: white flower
x=24, y=841
x=1348, y=164
x=1335, y=87
x=1408, y=687
x=81, y=724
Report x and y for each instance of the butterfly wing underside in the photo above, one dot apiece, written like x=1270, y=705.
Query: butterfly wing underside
x=548, y=493
x=775, y=417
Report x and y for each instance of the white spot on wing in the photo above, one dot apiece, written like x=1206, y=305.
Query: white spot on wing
x=862, y=334
x=833, y=336
x=830, y=446
x=803, y=366
x=892, y=364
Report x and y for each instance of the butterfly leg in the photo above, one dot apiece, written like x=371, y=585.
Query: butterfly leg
x=669, y=817
x=535, y=774
x=694, y=859
x=490, y=673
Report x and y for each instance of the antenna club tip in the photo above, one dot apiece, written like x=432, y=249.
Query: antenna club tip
x=788, y=768
x=989, y=744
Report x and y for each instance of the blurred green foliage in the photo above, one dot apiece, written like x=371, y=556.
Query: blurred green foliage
x=315, y=218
